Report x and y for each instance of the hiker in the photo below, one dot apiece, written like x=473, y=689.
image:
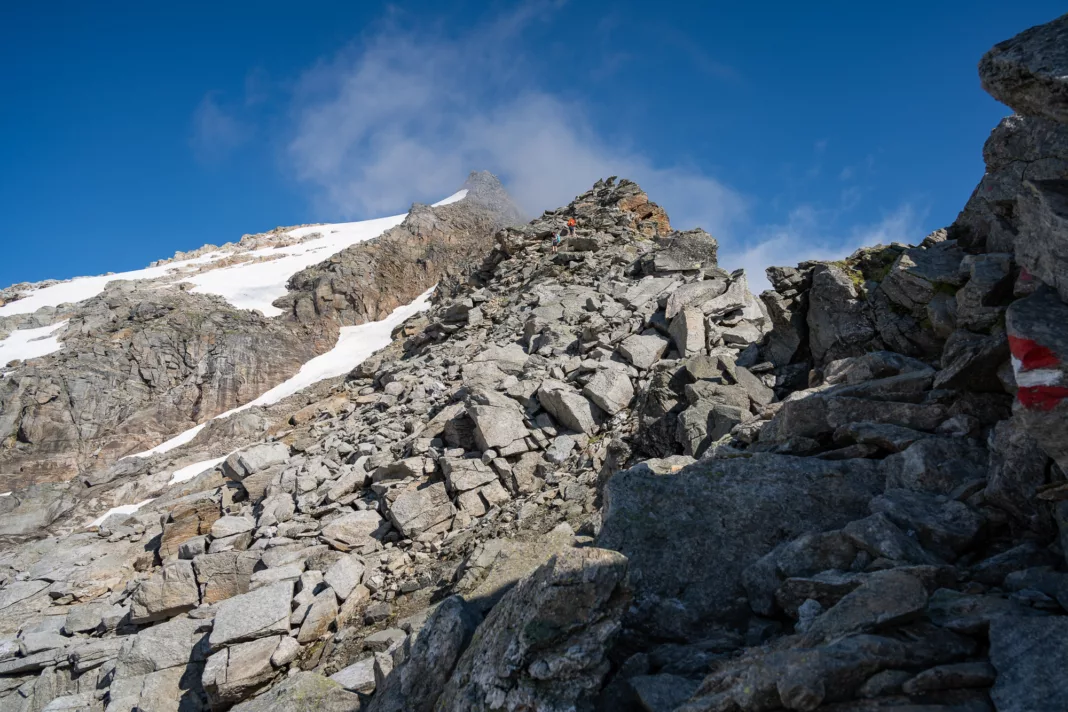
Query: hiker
x=571, y=226
x=558, y=237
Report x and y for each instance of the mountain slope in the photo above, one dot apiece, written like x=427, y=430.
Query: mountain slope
x=609, y=478
x=144, y=360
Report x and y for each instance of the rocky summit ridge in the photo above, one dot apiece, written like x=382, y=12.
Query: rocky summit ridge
x=601, y=478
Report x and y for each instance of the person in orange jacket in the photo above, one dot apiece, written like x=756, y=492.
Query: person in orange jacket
x=571, y=227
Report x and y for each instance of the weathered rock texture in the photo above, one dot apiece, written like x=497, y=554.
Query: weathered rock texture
x=609, y=478
x=367, y=281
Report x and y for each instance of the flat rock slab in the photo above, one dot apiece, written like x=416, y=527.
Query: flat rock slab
x=304, y=691
x=690, y=535
x=256, y=614
x=1030, y=655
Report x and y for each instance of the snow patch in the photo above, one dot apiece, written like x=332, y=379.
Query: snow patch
x=256, y=285
x=124, y=509
x=180, y=439
x=190, y=471
x=24, y=344
x=354, y=344
x=454, y=198
x=81, y=288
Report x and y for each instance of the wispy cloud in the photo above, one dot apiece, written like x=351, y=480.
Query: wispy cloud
x=805, y=236
x=216, y=131
x=404, y=115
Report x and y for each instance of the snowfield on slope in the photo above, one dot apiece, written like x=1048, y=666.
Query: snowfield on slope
x=255, y=285
x=25, y=344
x=81, y=288
x=246, y=286
x=354, y=344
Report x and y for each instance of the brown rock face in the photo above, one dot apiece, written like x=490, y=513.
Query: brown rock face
x=367, y=281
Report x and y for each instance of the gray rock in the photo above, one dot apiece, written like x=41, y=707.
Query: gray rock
x=936, y=465
x=1017, y=469
x=167, y=593
x=176, y=643
x=321, y=615
x=693, y=293
x=497, y=426
x=919, y=273
x=690, y=251
x=254, y=459
x=358, y=677
x=737, y=511
x=415, y=684
x=643, y=350
x=229, y=526
x=818, y=415
x=946, y=527
x=560, y=449
x=1029, y=655
x=344, y=575
x=31, y=643
x=971, y=361
x=885, y=598
x=688, y=331
x=303, y=692
x=416, y=510
x=234, y=673
x=86, y=617
x=610, y=390
x=543, y=646
x=837, y=323
x=879, y=536
x=805, y=678
x=569, y=408
x=257, y=614
x=892, y=438
x=225, y=574
x=663, y=692
x=354, y=531
x=951, y=677
x=1028, y=71
x=465, y=474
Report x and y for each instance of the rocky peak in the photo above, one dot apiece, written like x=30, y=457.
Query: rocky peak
x=603, y=476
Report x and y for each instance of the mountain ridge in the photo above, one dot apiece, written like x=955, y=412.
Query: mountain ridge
x=604, y=475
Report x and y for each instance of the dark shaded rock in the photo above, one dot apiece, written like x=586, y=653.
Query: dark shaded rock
x=946, y=527
x=837, y=323
x=936, y=465
x=543, y=646
x=728, y=511
x=1030, y=655
x=1028, y=71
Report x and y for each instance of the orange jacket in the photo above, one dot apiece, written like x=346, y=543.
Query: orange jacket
x=571, y=222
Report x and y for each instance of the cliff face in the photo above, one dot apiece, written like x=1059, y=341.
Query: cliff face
x=367, y=281
x=607, y=477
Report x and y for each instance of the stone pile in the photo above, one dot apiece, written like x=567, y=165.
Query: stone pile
x=609, y=478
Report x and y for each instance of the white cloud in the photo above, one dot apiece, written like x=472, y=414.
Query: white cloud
x=216, y=132
x=404, y=116
x=803, y=237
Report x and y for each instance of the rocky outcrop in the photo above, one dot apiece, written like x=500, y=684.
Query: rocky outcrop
x=367, y=281
x=607, y=478
x=138, y=365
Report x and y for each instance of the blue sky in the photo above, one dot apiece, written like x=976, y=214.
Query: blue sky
x=788, y=130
